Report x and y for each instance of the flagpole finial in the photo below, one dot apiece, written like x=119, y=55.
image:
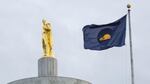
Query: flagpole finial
x=129, y=6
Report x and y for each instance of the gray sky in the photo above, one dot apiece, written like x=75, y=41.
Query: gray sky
x=20, y=39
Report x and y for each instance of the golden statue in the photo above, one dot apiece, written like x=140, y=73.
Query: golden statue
x=47, y=40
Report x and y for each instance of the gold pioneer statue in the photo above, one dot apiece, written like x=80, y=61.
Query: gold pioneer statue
x=47, y=40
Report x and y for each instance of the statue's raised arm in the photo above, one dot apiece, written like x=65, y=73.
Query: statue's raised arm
x=47, y=40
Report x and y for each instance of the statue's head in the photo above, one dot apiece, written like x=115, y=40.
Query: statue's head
x=44, y=21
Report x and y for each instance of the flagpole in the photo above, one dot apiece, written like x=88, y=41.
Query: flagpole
x=131, y=50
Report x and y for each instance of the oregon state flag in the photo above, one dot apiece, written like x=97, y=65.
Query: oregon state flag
x=101, y=37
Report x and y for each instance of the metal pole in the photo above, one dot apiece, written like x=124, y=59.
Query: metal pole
x=131, y=50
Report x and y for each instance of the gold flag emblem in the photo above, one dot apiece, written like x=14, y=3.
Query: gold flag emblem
x=105, y=37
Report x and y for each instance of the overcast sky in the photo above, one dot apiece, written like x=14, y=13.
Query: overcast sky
x=20, y=39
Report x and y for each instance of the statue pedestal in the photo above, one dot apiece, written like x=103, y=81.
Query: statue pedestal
x=47, y=66
x=47, y=74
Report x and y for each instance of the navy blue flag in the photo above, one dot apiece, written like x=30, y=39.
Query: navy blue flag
x=101, y=37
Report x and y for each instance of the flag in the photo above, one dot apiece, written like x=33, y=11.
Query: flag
x=101, y=37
